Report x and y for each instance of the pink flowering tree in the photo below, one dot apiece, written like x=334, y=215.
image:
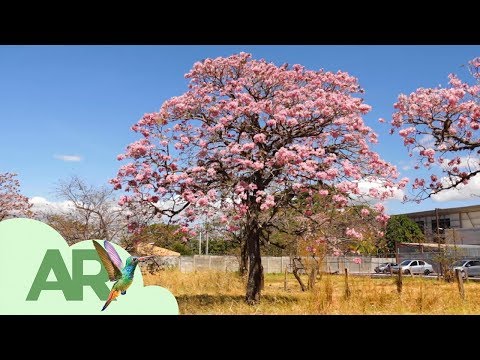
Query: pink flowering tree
x=440, y=128
x=246, y=139
x=12, y=203
x=352, y=230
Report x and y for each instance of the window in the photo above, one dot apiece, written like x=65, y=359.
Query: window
x=443, y=224
x=414, y=263
x=475, y=263
x=421, y=225
x=421, y=263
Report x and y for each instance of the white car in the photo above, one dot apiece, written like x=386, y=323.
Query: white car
x=467, y=267
x=413, y=267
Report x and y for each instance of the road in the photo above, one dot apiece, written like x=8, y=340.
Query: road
x=430, y=276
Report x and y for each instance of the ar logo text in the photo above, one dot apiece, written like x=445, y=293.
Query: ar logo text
x=72, y=287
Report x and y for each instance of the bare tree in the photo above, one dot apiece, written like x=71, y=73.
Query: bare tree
x=92, y=213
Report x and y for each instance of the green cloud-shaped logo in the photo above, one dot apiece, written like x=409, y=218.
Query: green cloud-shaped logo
x=24, y=244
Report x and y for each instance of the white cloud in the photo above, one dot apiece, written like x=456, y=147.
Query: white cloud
x=461, y=192
x=68, y=158
x=40, y=204
x=365, y=185
x=427, y=140
x=469, y=163
x=406, y=165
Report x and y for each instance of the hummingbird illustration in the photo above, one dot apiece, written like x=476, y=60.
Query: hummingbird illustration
x=113, y=263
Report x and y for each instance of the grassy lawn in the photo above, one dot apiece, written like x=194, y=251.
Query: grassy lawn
x=212, y=292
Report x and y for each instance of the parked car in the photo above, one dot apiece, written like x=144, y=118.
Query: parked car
x=413, y=267
x=384, y=267
x=467, y=267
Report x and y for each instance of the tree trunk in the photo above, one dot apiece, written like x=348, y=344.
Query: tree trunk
x=313, y=274
x=255, y=273
x=243, y=258
x=295, y=272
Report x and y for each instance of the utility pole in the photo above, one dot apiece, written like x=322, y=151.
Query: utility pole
x=200, y=243
x=205, y=226
x=438, y=240
x=206, y=239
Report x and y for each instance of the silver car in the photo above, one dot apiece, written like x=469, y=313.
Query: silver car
x=413, y=267
x=467, y=267
x=384, y=267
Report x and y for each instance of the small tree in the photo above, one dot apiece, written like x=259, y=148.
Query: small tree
x=441, y=129
x=351, y=230
x=245, y=140
x=93, y=214
x=400, y=228
x=12, y=203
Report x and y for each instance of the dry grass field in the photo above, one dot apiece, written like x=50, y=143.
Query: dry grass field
x=222, y=293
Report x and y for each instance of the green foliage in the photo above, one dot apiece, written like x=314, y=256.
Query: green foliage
x=216, y=246
x=182, y=248
x=168, y=237
x=400, y=228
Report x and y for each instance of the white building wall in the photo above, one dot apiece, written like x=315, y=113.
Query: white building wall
x=470, y=220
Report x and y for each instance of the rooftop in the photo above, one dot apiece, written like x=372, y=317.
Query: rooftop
x=151, y=249
x=444, y=211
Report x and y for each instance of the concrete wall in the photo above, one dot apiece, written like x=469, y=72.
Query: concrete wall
x=469, y=236
x=271, y=264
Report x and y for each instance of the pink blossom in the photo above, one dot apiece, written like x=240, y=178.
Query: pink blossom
x=440, y=119
x=202, y=201
x=248, y=146
x=357, y=260
x=268, y=203
x=373, y=192
x=292, y=122
x=365, y=212
x=233, y=228
x=353, y=233
x=137, y=149
x=259, y=138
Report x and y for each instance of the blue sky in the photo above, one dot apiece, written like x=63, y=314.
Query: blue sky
x=82, y=100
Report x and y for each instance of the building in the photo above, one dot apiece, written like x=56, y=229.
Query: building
x=459, y=225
